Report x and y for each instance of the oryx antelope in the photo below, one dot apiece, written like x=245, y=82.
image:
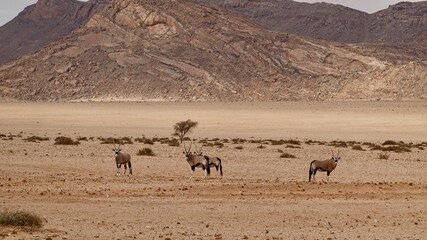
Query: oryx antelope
x=213, y=161
x=196, y=161
x=121, y=158
x=324, y=166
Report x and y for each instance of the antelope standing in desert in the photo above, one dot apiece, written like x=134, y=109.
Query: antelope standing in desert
x=196, y=161
x=324, y=166
x=121, y=158
x=213, y=161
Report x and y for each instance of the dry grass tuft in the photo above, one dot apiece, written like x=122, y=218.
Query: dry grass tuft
x=174, y=143
x=287, y=155
x=65, y=141
x=146, y=152
x=239, y=147
x=20, y=218
x=383, y=156
x=357, y=148
x=36, y=139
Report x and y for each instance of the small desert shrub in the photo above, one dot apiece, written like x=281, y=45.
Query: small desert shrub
x=383, y=156
x=239, y=147
x=292, y=146
x=238, y=140
x=279, y=150
x=390, y=142
x=110, y=140
x=261, y=147
x=293, y=141
x=357, y=148
x=218, y=144
x=277, y=142
x=65, y=141
x=145, y=152
x=214, y=140
x=203, y=141
x=255, y=141
x=82, y=139
x=286, y=155
x=20, y=218
x=338, y=144
x=36, y=139
x=225, y=140
x=174, y=143
x=397, y=149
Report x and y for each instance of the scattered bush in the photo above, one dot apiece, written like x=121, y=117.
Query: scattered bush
x=397, y=149
x=261, y=147
x=145, y=152
x=174, y=143
x=218, y=144
x=82, y=139
x=286, y=155
x=279, y=150
x=292, y=146
x=383, y=156
x=36, y=139
x=20, y=218
x=357, y=148
x=390, y=142
x=338, y=144
x=225, y=140
x=239, y=147
x=110, y=140
x=293, y=141
x=65, y=141
x=214, y=140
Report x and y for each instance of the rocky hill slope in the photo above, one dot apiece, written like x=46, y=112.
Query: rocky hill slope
x=43, y=23
x=180, y=50
x=405, y=22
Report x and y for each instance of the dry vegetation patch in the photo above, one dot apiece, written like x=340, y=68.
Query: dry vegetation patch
x=146, y=152
x=65, y=141
x=20, y=218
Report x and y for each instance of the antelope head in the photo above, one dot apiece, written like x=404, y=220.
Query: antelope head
x=198, y=151
x=335, y=158
x=187, y=152
x=116, y=150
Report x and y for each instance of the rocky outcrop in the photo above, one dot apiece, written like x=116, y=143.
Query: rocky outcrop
x=43, y=23
x=182, y=51
x=400, y=23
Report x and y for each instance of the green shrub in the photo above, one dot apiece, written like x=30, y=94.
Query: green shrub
x=65, y=141
x=20, y=218
x=145, y=152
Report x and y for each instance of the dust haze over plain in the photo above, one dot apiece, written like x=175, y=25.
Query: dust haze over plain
x=10, y=8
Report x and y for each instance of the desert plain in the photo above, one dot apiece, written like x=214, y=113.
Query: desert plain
x=260, y=196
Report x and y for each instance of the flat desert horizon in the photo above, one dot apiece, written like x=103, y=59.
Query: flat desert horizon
x=372, y=194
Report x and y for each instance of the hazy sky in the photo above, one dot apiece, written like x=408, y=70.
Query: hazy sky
x=10, y=8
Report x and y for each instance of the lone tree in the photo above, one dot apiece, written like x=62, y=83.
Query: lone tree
x=184, y=127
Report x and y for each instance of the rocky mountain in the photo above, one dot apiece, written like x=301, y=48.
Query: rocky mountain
x=180, y=50
x=43, y=23
x=405, y=22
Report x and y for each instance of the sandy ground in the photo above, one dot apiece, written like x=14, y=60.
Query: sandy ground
x=261, y=196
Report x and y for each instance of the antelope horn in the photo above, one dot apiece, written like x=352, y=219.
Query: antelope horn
x=333, y=155
x=201, y=148
x=114, y=142
x=338, y=155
